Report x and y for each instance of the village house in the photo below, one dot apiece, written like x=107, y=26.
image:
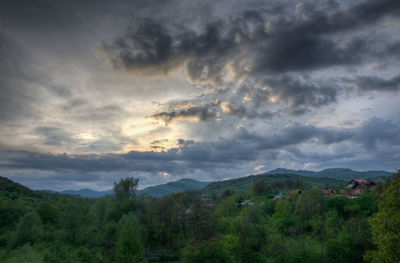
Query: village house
x=358, y=187
x=294, y=194
x=276, y=197
x=327, y=191
x=206, y=199
x=244, y=203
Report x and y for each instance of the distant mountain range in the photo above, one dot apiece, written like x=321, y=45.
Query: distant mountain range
x=88, y=193
x=332, y=176
x=181, y=185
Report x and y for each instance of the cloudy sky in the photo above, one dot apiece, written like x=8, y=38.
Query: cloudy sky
x=92, y=91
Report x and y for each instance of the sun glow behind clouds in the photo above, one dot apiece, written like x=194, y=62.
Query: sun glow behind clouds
x=135, y=127
x=150, y=135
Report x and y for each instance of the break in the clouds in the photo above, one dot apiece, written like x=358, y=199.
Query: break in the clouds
x=92, y=91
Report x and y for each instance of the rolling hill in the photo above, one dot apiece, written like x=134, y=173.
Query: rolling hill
x=336, y=173
x=243, y=184
x=7, y=185
x=181, y=185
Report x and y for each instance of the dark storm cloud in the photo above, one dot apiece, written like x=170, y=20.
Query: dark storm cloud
x=287, y=42
x=269, y=50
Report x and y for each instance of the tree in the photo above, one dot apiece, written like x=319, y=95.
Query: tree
x=47, y=212
x=126, y=188
x=29, y=229
x=260, y=188
x=202, y=221
x=72, y=220
x=212, y=251
x=386, y=225
x=129, y=248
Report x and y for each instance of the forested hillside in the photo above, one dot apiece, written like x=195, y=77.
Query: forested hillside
x=275, y=181
x=335, y=173
x=238, y=224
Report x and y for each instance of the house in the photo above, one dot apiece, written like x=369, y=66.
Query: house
x=357, y=187
x=327, y=191
x=294, y=194
x=276, y=197
x=206, y=199
x=244, y=203
x=188, y=211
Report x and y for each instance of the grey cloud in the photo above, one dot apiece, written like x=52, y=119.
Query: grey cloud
x=265, y=56
x=243, y=146
x=15, y=99
x=201, y=113
x=373, y=83
x=53, y=135
x=298, y=94
x=294, y=134
x=373, y=138
x=376, y=131
x=251, y=46
x=210, y=112
x=289, y=42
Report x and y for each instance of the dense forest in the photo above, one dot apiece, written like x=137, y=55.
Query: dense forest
x=281, y=221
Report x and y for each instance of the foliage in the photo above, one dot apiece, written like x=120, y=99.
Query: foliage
x=29, y=229
x=213, y=251
x=129, y=248
x=260, y=188
x=125, y=188
x=386, y=225
x=238, y=222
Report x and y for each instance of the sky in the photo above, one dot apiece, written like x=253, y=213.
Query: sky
x=94, y=91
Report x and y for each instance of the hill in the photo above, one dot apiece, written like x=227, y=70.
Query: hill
x=11, y=189
x=181, y=185
x=336, y=173
x=243, y=184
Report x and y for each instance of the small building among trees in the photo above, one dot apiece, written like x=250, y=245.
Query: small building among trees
x=358, y=187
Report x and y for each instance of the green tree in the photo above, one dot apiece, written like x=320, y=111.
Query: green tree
x=333, y=223
x=129, y=247
x=29, y=229
x=47, y=212
x=207, y=252
x=202, y=221
x=260, y=188
x=386, y=225
x=72, y=220
x=126, y=188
